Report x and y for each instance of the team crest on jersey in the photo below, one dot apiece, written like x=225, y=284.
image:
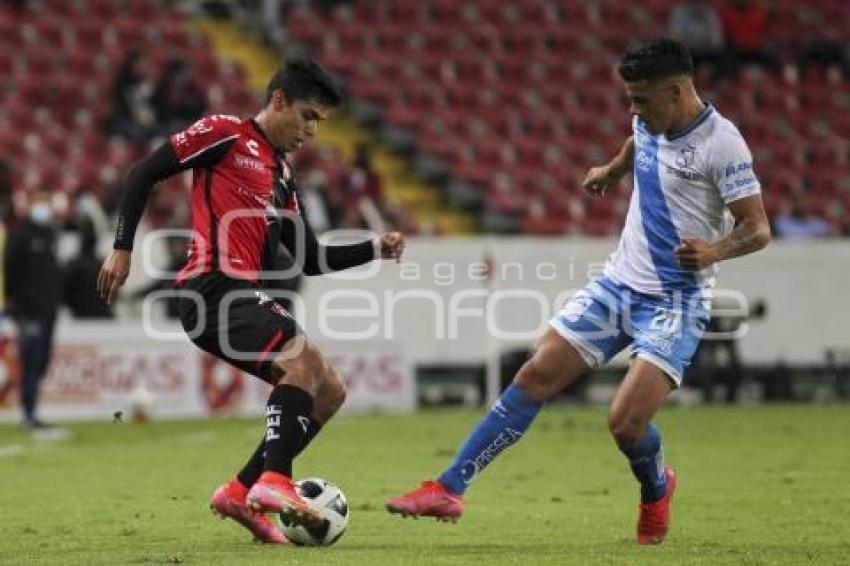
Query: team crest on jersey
x=685, y=157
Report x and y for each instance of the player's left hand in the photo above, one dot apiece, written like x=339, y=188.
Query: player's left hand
x=694, y=254
x=392, y=245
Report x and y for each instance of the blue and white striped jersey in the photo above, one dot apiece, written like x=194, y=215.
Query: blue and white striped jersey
x=682, y=185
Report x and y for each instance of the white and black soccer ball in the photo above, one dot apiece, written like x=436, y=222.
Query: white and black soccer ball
x=327, y=499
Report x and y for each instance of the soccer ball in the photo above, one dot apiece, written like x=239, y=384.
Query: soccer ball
x=329, y=502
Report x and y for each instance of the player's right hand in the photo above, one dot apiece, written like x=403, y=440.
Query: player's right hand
x=113, y=273
x=599, y=179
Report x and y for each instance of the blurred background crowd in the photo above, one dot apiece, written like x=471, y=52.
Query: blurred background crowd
x=462, y=117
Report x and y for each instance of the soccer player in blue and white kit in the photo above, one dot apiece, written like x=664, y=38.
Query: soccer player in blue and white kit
x=690, y=166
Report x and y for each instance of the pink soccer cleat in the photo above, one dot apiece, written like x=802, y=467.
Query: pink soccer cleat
x=229, y=501
x=275, y=493
x=654, y=518
x=430, y=499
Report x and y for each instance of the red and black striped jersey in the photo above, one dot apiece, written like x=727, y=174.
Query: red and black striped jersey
x=244, y=202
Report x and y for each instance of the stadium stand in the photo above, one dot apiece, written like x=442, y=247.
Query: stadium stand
x=520, y=98
x=58, y=63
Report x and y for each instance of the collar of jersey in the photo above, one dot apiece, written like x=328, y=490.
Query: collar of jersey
x=278, y=154
x=698, y=121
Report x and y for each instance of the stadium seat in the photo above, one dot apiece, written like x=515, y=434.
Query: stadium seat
x=524, y=91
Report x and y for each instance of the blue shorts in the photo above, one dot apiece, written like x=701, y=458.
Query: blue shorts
x=606, y=316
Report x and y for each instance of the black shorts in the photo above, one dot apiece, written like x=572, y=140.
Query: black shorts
x=239, y=323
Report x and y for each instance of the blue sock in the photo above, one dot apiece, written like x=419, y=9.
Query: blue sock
x=646, y=459
x=505, y=423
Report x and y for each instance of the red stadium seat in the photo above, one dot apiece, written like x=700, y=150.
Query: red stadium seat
x=525, y=74
x=546, y=225
x=506, y=202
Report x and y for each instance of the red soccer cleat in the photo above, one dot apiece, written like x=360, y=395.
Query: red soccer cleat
x=430, y=499
x=654, y=517
x=275, y=493
x=229, y=501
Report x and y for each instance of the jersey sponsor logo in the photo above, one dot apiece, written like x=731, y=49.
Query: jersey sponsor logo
x=253, y=147
x=202, y=126
x=247, y=162
x=199, y=127
x=739, y=167
x=181, y=138
x=228, y=117
x=686, y=175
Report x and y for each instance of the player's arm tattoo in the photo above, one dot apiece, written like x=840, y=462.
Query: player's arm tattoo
x=752, y=229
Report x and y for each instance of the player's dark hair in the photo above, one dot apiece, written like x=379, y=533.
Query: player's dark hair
x=304, y=79
x=659, y=58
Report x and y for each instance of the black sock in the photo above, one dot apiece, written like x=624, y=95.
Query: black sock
x=313, y=429
x=287, y=421
x=248, y=475
x=254, y=467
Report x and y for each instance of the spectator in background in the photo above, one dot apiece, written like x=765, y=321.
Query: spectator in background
x=80, y=279
x=178, y=247
x=746, y=25
x=273, y=13
x=363, y=181
x=5, y=208
x=364, y=193
x=132, y=115
x=314, y=197
x=5, y=191
x=828, y=50
x=87, y=208
x=797, y=223
x=177, y=98
x=32, y=281
x=697, y=24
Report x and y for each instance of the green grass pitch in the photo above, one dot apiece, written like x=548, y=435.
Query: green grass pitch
x=758, y=485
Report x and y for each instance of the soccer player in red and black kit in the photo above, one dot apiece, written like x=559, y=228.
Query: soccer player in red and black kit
x=244, y=203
